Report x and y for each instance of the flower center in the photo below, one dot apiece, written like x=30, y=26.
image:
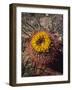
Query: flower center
x=41, y=41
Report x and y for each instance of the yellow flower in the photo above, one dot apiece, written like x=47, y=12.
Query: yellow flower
x=41, y=41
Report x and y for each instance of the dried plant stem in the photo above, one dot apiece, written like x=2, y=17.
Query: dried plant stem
x=26, y=33
x=27, y=29
x=30, y=25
